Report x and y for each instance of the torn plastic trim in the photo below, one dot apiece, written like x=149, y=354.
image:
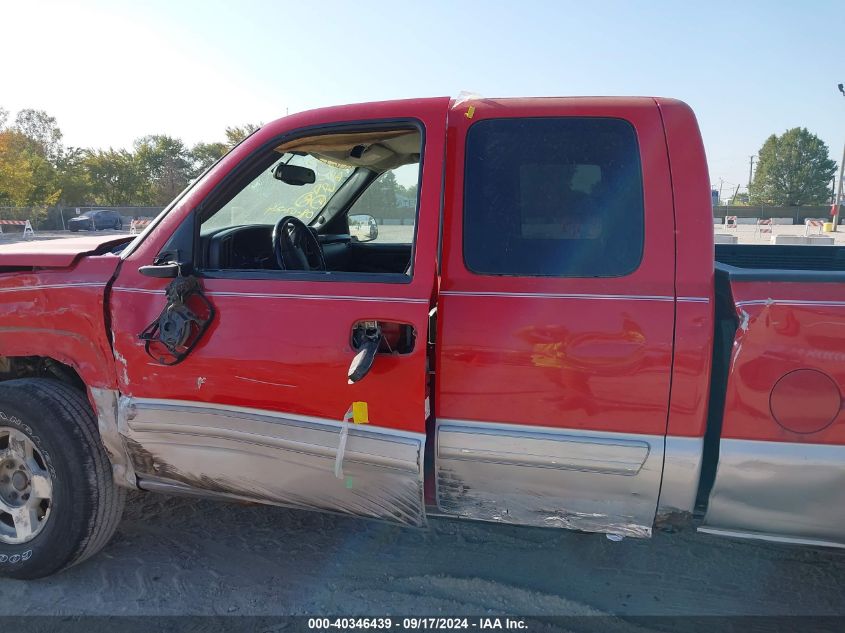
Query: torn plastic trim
x=106, y=404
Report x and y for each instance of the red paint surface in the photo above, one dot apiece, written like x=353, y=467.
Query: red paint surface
x=581, y=363
x=693, y=271
x=278, y=351
x=786, y=331
x=55, y=253
x=805, y=401
x=60, y=314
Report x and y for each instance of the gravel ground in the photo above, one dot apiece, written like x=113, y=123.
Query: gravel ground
x=177, y=555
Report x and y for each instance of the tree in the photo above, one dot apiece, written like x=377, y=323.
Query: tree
x=165, y=164
x=74, y=179
x=114, y=177
x=41, y=128
x=204, y=155
x=235, y=135
x=27, y=178
x=4, y=116
x=794, y=169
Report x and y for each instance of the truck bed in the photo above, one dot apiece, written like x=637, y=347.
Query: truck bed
x=775, y=259
x=777, y=339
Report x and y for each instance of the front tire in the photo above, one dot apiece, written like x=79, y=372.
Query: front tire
x=51, y=453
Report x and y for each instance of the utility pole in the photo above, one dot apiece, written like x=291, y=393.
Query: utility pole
x=837, y=203
x=750, y=171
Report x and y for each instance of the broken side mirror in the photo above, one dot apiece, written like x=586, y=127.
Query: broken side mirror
x=166, y=270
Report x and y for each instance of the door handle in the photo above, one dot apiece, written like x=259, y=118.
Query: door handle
x=366, y=338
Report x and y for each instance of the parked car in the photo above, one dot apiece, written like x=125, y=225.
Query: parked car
x=96, y=221
x=555, y=348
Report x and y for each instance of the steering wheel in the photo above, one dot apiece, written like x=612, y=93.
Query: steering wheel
x=295, y=246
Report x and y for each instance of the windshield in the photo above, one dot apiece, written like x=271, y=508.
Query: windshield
x=266, y=200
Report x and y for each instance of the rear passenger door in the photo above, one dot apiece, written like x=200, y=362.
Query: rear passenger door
x=556, y=314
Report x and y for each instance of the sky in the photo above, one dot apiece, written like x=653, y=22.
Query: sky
x=112, y=71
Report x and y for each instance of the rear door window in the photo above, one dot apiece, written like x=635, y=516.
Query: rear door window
x=559, y=197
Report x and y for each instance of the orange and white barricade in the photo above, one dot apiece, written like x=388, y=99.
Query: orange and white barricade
x=813, y=223
x=730, y=221
x=138, y=225
x=763, y=226
x=26, y=224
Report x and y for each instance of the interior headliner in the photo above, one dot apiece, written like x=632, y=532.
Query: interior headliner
x=381, y=151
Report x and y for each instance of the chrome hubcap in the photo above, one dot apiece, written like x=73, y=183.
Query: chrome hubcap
x=26, y=488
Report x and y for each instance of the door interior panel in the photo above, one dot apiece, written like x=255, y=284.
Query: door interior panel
x=380, y=258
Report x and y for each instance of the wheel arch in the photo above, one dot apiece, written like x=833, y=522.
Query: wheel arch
x=78, y=354
x=104, y=400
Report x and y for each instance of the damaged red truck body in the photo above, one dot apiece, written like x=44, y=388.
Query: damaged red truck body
x=531, y=329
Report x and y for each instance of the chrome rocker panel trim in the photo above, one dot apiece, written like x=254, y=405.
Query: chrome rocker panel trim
x=274, y=458
x=781, y=491
x=590, y=481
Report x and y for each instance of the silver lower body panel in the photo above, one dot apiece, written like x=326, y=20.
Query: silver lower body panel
x=778, y=490
x=590, y=481
x=278, y=459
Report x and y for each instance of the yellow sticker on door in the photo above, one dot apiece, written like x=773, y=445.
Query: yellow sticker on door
x=360, y=414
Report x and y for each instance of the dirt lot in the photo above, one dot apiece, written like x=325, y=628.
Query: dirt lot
x=175, y=555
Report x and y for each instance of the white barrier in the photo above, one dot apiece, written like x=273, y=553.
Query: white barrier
x=763, y=226
x=812, y=240
x=730, y=221
x=724, y=238
x=786, y=221
x=26, y=224
x=813, y=223
x=136, y=225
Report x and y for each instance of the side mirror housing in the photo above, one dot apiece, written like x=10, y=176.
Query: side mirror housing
x=363, y=227
x=166, y=270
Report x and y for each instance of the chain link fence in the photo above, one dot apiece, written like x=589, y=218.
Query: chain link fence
x=55, y=218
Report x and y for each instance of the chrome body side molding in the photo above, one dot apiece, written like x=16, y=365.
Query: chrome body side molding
x=279, y=459
x=771, y=538
x=681, y=476
x=591, y=481
x=789, y=491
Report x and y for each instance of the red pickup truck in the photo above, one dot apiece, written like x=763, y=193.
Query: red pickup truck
x=522, y=323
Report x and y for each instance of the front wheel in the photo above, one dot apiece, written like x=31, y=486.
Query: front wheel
x=58, y=502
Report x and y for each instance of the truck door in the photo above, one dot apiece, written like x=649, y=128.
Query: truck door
x=556, y=314
x=256, y=409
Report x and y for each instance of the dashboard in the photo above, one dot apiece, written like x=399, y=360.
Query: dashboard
x=240, y=248
x=250, y=247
